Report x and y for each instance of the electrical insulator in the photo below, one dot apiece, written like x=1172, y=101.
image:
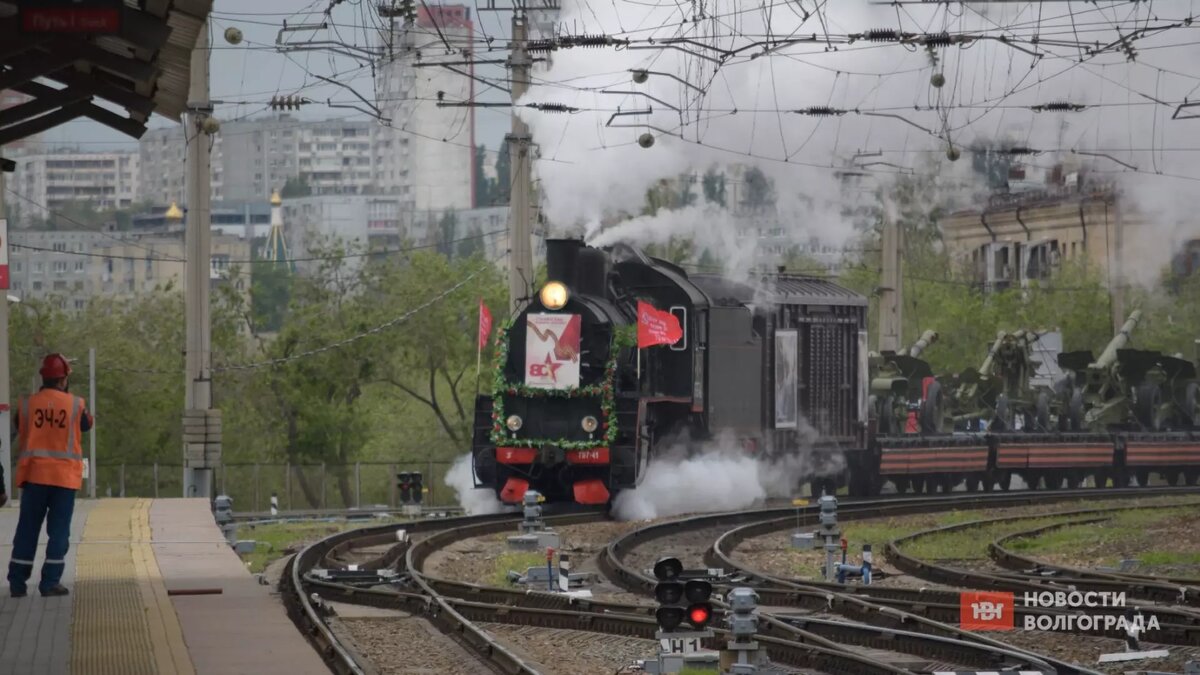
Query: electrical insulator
x=288, y=102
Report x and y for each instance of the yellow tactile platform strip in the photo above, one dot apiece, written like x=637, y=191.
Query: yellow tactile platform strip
x=123, y=622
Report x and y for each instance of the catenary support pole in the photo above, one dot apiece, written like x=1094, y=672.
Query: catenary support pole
x=5, y=412
x=891, y=295
x=520, y=225
x=198, y=457
x=92, y=473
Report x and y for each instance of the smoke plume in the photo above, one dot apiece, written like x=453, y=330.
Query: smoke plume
x=475, y=502
x=759, y=85
x=723, y=477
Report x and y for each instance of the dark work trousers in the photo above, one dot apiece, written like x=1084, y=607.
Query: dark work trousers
x=54, y=505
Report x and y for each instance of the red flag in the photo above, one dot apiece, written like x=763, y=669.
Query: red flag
x=656, y=327
x=485, y=324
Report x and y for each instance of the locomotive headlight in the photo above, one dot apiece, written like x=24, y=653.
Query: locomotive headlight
x=554, y=295
x=513, y=423
x=589, y=424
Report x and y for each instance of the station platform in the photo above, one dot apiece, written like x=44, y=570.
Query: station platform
x=127, y=560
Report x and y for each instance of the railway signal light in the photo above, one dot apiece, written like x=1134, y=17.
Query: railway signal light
x=679, y=601
x=669, y=592
x=700, y=610
x=417, y=489
x=404, y=484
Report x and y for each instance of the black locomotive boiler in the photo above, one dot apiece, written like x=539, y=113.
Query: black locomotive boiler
x=776, y=362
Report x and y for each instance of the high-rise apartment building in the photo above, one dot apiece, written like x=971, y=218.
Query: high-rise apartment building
x=46, y=182
x=253, y=158
x=426, y=155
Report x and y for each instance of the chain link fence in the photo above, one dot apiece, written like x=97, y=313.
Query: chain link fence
x=297, y=487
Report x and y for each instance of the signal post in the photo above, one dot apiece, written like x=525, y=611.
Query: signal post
x=684, y=612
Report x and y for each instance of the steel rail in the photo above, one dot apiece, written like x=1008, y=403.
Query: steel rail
x=937, y=603
x=310, y=619
x=791, y=594
x=840, y=601
x=1008, y=559
x=1153, y=591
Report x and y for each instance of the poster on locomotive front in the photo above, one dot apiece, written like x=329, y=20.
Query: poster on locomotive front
x=552, y=350
x=787, y=377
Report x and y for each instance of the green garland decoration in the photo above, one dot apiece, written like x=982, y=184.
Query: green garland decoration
x=623, y=336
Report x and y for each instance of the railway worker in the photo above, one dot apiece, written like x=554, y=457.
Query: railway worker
x=49, y=472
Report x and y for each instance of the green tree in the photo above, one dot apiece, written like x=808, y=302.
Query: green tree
x=503, y=185
x=270, y=293
x=296, y=186
x=713, y=184
x=447, y=233
x=483, y=185
x=471, y=244
x=760, y=190
x=431, y=360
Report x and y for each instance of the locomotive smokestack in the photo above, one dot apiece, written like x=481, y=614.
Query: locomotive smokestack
x=591, y=272
x=562, y=256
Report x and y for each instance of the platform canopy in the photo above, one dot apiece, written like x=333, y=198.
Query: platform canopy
x=113, y=61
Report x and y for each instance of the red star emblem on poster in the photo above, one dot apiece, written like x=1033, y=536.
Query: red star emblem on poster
x=553, y=367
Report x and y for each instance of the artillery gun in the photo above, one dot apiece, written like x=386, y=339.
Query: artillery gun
x=1131, y=389
x=997, y=394
x=897, y=382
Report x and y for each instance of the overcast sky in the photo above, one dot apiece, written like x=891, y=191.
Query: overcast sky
x=249, y=74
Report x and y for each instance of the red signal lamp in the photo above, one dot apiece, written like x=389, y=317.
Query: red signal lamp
x=699, y=615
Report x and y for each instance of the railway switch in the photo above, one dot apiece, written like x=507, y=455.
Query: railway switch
x=863, y=571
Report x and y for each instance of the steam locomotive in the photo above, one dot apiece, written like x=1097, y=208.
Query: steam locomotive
x=775, y=364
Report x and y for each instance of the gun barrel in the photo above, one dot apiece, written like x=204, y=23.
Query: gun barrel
x=991, y=355
x=1109, y=355
x=927, y=338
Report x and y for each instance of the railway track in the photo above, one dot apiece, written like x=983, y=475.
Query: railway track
x=1071, y=579
x=897, y=620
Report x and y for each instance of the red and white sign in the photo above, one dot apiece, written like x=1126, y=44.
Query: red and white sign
x=552, y=351
x=656, y=327
x=3, y=254
x=986, y=610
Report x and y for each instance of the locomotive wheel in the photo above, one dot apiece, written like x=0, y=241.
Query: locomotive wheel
x=1143, y=477
x=1149, y=397
x=1190, y=476
x=931, y=409
x=1042, y=416
x=1173, y=477
x=1192, y=404
x=1099, y=479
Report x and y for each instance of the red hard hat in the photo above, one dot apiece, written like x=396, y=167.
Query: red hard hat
x=55, y=366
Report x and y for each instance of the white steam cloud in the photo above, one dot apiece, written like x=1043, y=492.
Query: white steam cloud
x=475, y=501
x=886, y=116
x=722, y=478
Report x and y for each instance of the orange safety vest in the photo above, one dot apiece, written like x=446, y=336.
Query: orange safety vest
x=48, y=440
